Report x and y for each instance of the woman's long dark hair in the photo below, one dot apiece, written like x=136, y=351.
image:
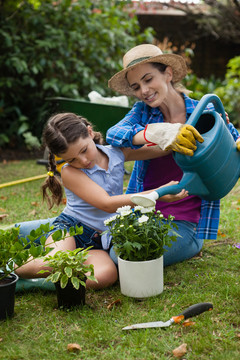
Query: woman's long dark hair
x=161, y=67
x=177, y=86
x=60, y=131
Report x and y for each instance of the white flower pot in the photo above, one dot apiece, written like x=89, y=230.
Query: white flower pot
x=140, y=279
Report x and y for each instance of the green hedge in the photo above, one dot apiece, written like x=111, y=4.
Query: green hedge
x=60, y=48
x=228, y=89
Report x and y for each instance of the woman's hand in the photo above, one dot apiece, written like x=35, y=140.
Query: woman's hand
x=238, y=140
x=177, y=137
x=185, y=141
x=227, y=117
x=173, y=197
x=238, y=144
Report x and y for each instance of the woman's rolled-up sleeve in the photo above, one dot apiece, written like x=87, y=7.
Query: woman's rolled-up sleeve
x=121, y=134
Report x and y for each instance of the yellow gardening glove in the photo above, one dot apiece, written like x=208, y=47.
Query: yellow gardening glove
x=238, y=144
x=185, y=141
x=177, y=137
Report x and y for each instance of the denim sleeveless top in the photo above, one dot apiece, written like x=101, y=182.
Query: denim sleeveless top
x=159, y=172
x=110, y=180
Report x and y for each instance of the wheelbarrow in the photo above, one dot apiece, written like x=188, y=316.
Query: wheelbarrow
x=102, y=117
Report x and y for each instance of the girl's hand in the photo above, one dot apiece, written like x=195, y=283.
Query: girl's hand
x=173, y=197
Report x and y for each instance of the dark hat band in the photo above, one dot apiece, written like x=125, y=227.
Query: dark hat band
x=138, y=60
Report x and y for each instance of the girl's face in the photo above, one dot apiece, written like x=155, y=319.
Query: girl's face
x=149, y=84
x=83, y=153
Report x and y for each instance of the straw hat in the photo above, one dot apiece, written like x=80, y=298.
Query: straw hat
x=142, y=54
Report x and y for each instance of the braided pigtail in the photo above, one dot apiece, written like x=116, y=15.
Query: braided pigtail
x=52, y=184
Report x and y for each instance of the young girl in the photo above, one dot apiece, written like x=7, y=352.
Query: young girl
x=93, y=183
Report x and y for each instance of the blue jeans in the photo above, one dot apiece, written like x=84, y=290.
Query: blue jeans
x=89, y=237
x=184, y=248
x=27, y=226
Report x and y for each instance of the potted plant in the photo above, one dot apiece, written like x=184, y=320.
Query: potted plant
x=16, y=251
x=69, y=274
x=139, y=237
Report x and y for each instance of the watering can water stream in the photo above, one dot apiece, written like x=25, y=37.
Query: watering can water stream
x=214, y=169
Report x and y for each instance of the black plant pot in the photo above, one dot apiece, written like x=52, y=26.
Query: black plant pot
x=69, y=296
x=7, y=296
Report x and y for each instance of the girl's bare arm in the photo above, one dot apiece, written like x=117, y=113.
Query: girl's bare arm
x=85, y=188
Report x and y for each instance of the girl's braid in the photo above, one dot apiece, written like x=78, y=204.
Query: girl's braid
x=52, y=183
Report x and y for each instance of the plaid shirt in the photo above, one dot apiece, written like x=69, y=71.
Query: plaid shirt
x=121, y=135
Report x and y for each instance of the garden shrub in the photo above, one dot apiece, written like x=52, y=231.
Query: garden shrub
x=228, y=89
x=229, y=92
x=63, y=48
x=201, y=86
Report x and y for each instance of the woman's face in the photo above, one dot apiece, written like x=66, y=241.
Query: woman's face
x=82, y=153
x=149, y=84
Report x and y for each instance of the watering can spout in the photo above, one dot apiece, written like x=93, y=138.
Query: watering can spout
x=190, y=182
x=147, y=200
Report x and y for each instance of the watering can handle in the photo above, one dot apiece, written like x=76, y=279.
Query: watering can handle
x=205, y=100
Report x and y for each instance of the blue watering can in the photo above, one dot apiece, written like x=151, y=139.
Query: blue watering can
x=214, y=169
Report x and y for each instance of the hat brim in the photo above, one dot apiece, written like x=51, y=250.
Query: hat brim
x=119, y=83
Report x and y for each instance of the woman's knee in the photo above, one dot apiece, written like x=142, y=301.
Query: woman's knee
x=199, y=245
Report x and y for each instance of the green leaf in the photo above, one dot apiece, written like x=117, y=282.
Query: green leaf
x=75, y=282
x=23, y=128
x=83, y=283
x=55, y=277
x=92, y=278
x=57, y=235
x=35, y=251
x=68, y=271
x=63, y=281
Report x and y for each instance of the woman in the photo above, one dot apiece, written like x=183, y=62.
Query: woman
x=153, y=78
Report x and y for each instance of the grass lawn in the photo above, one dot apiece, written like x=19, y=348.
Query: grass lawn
x=40, y=331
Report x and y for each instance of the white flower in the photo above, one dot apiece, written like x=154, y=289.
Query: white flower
x=146, y=210
x=138, y=208
x=143, y=219
x=123, y=209
x=125, y=213
x=109, y=220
